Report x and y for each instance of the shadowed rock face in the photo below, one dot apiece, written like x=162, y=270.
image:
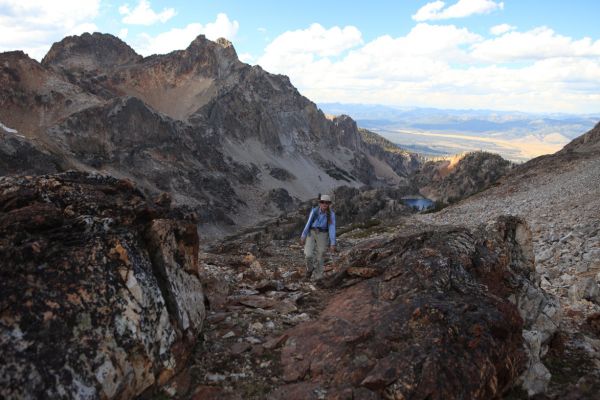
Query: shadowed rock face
x=99, y=290
x=434, y=321
x=19, y=156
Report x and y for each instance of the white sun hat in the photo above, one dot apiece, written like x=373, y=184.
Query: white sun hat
x=325, y=197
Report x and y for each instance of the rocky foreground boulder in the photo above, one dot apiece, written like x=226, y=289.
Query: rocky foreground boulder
x=445, y=314
x=406, y=311
x=99, y=291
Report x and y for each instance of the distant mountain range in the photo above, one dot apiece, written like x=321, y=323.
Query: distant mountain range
x=515, y=135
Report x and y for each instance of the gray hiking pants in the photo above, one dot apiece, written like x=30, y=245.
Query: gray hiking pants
x=314, y=251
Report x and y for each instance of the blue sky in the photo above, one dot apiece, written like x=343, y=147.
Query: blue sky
x=374, y=18
x=539, y=56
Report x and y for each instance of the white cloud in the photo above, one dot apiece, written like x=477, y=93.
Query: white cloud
x=316, y=39
x=246, y=57
x=428, y=11
x=502, y=28
x=180, y=38
x=463, y=8
x=33, y=25
x=143, y=14
x=412, y=57
x=536, y=44
x=123, y=33
x=293, y=49
x=222, y=27
x=447, y=66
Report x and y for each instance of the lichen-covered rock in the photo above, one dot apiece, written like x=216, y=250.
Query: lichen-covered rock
x=99, y=290
x=438, y=321
x=540, y=310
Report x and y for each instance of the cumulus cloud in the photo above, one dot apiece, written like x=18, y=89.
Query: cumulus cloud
x=502, y=28
x=536, y=44
x=143, y=14
x=222, y=27
x=463, y=8
x=293, y=49
x=447, y=66
x=317, y=39
x=33, y=25
x=180, y=38
x=411, y=57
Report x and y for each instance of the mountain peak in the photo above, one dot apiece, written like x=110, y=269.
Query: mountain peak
x=224, y=42
x=222, y=47
x=90, y=52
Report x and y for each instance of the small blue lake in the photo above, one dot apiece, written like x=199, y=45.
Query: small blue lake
x=420, y=204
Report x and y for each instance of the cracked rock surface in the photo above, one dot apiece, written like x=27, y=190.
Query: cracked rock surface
x=99, y=288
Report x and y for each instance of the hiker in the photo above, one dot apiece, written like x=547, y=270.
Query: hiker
x=318, y=233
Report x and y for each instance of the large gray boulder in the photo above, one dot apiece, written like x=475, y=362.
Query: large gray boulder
x=99, y=288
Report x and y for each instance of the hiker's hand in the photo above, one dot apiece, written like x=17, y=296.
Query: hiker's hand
x=332, y=248
x=302, y=241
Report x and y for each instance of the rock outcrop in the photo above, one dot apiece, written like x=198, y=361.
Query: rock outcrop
x=33, y=98
x=95, y=52
x=448, y=181
x=587, y=143
x=99, y=288
x=413, y=312
x=20, y=156
x=438, y=317
x=402, y=162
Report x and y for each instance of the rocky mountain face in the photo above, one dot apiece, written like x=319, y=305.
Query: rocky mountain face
x=222, y=137
x=101, y=295
x=587, y=143
x=20, y=156
x=217, y=134
x=448, y=181
x=558, y=195
x=395, y=157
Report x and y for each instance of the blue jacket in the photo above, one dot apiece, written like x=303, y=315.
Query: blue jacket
x=318, y=219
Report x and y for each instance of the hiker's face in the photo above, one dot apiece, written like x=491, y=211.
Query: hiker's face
x=324, y=205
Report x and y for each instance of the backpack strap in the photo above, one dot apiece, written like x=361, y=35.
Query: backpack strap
x=313, y=214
